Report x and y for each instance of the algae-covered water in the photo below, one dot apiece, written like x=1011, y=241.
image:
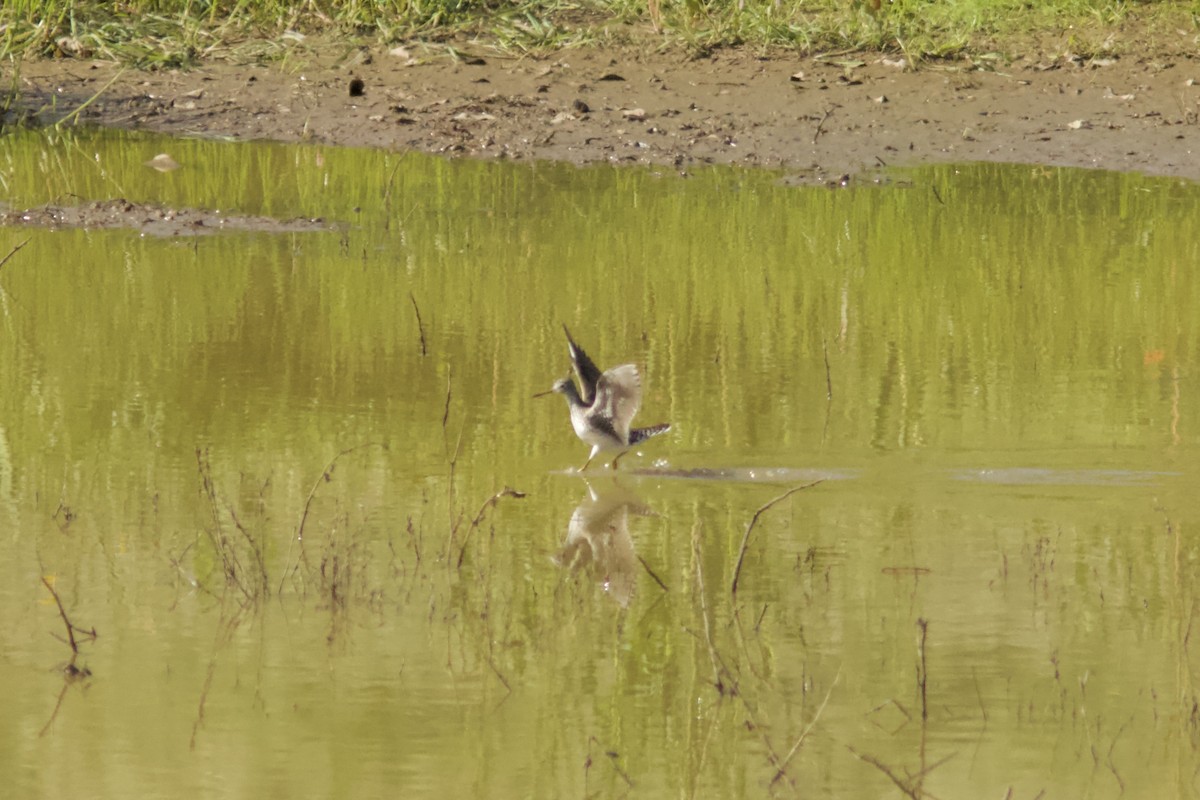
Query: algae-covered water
x=330, y=545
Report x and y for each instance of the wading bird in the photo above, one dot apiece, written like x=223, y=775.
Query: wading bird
x=604, y=405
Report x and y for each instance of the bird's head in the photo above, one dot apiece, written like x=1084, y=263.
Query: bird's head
x=561, y=386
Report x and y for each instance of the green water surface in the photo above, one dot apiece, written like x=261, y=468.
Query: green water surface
x=277, y=495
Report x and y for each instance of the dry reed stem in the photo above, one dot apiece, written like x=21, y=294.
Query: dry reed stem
x=922, y=667
x=737, y=572
x=828, y=378
x=230, y=564
x=227, y=625
x=420, y=325
x=613, y=755
x=13, y=252
x=70, y=626
x=807, y=729
x=326, y=477
x=446, y=410
x=720, y=671
x=491, y=501
x=651, y=573
x=75, y=114
x=62, y=693
x=901, y=784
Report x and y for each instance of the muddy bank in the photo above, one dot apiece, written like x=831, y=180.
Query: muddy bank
x=152, y=220
x=819, y=118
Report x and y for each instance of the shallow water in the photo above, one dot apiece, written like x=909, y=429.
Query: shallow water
x=276, y=494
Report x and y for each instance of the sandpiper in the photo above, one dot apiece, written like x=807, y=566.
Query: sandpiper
x=604, y=405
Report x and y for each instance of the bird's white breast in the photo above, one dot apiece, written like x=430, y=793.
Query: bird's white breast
x=587, y=433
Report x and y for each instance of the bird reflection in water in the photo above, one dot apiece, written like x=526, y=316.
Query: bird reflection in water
x=598, y=541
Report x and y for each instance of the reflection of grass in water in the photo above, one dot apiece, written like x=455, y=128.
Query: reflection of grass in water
x=327, y=552
x=240, y=576
x=921, y=327
x=335, y=559
x=239, y=536
x=240, y=554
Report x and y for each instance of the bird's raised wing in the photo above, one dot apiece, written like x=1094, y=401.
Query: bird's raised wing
x=585, y=368
x=618, y=397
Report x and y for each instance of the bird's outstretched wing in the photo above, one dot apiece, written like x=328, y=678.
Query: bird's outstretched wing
x=585, y=368
x=618, y=397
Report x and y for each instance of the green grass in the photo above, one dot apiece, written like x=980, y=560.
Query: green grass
x=174, y=33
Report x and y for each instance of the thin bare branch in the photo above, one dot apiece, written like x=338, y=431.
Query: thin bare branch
x=721, y=672
x=74, y=115
x=652, y=574
x=446, y=410
x=62, y=612
x=737, y=572
x=828, y=379
x=13, y=252
x=913, y=786
x=491, y=501
x=420, y=325
x=326, y=477
x=499, y=674
x=922, y=668
x=804, y=734
x=886, y=770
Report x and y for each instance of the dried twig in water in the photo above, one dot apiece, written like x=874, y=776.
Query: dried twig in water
x=784, y=762
x=828, y=380
x=761, y=614
x=454, y=521
x=326, y=477
x=1111, y=764
x=652, y=574
x=446, y=410
x=499, y=674
x=13, y=252
x=737, y=571
x=226, y=628
x=62, y=693
x=491, y=501
x=420, y=325
x=209, y=674
x=231, y=565
x=912, y=786
x=922, y=667
x=70, y=626
x=255, y=548
x=68, y=516
x=919, y=777
x=720, y=671
x=613, y=755
x=879, y=765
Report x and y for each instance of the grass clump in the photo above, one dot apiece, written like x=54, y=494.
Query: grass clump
x=174, y=33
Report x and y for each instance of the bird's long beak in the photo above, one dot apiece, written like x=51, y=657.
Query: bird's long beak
x=548, y=391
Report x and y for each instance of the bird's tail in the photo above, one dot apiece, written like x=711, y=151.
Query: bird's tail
x=638, y=435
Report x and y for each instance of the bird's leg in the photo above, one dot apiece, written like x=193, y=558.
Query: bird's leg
x=589, y=461
x=618, y=458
